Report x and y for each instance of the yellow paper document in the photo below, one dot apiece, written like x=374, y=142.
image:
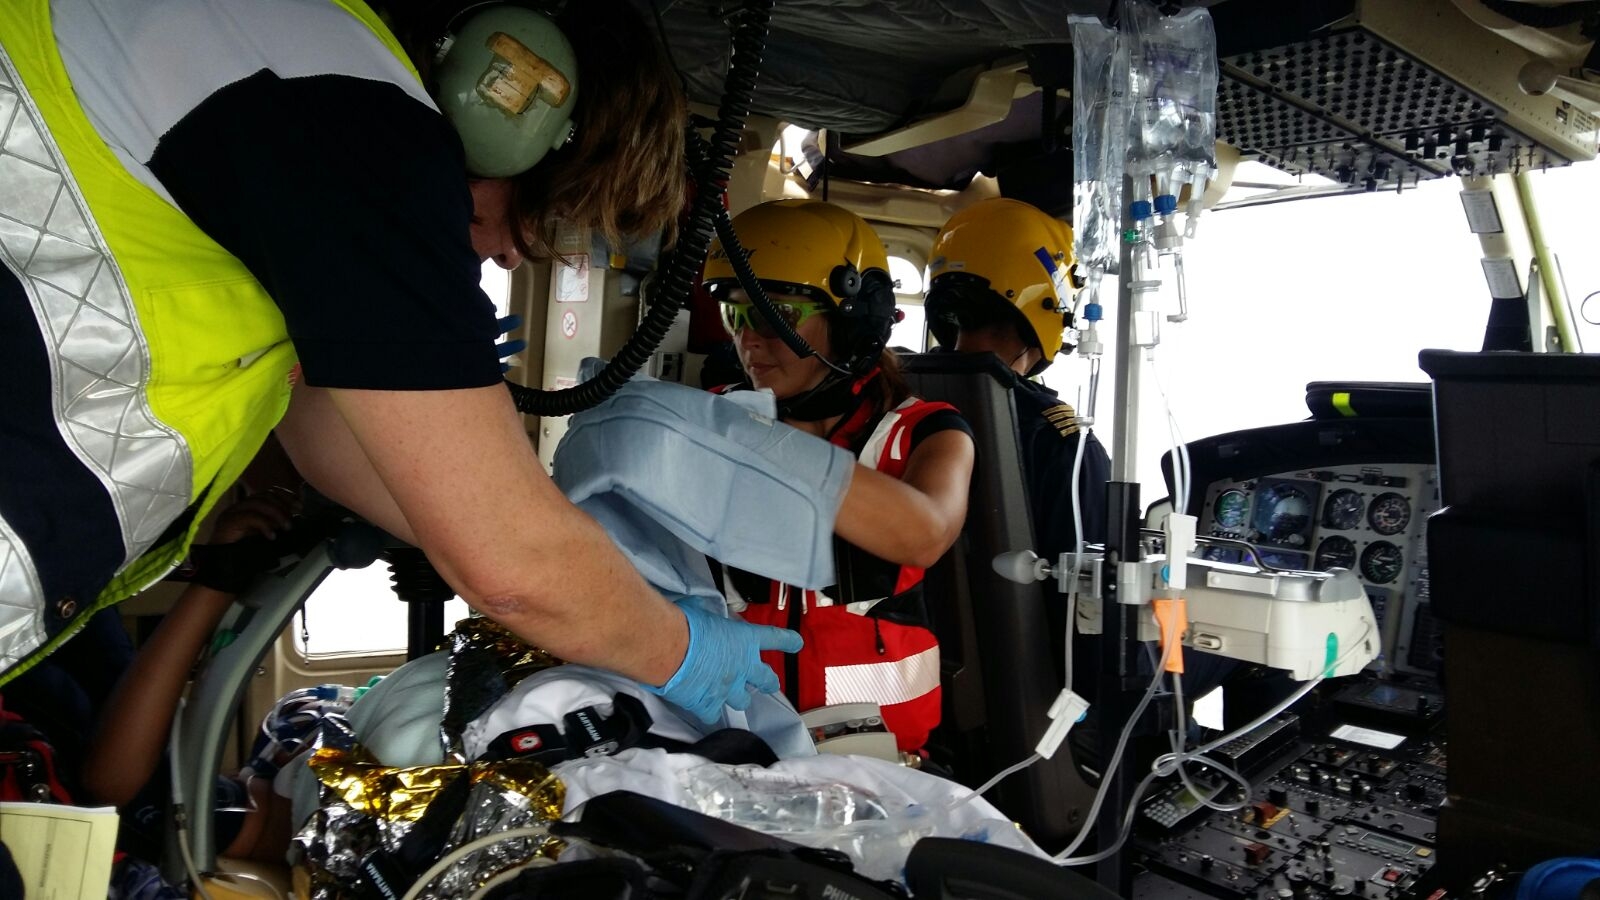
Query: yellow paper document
x=63, y=852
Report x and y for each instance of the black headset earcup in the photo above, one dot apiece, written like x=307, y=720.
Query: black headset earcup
x=874, y=313
x=876, y=295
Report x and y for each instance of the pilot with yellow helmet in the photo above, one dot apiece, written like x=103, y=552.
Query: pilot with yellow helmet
x=999, y=283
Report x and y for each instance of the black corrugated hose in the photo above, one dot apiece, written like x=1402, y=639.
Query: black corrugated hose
x=688, y=255
x=413, y=578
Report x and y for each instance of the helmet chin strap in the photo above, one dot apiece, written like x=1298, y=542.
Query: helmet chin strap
x=835, y=395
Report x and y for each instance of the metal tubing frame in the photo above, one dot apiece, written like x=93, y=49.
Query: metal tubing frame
x=203, y=722
x=1114, y=694
x=1555, y=293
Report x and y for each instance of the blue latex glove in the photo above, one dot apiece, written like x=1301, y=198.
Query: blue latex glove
x=724, y=656
x=506, y=349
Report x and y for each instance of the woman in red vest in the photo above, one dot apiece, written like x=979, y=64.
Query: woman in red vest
x=867, y=636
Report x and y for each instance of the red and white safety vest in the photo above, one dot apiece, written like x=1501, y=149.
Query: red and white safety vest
x=867, y=639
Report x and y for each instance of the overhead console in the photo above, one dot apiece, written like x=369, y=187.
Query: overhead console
x=1380, y=93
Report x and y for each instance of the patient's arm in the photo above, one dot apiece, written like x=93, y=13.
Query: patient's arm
x=132, y=732
x=266, y=831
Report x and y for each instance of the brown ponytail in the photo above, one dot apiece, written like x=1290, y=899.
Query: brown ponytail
x=623, y=171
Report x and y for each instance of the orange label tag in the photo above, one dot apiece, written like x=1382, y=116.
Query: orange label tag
x=518, y=75
x=1173, y=617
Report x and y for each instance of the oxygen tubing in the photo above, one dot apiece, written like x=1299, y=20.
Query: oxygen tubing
x=688, y=255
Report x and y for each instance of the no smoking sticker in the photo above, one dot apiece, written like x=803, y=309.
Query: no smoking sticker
x=569, y=324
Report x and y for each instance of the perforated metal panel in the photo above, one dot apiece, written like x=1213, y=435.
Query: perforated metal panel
x=1350, y=106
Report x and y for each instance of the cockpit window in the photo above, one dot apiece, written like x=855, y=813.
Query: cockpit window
x=496, y=283
x=354, y=611
x=911, y=332
x=1345, y=288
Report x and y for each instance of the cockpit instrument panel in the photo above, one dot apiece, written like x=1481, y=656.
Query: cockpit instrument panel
x=1285, y=512
x=1368, y=519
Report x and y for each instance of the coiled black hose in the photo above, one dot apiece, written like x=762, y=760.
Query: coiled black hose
x=687, y=257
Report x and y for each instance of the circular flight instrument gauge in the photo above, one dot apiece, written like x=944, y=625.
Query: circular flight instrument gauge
x=1343, y=510
x=1381, y=562
x=1335, y=553
x=1288, y=515
x=1230, y=509
x=1389, y=514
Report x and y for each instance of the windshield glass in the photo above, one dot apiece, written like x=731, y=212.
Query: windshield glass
x=1337, y=288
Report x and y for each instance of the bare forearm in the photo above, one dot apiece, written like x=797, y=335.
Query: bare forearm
x=600, y=613
x=891, y=520
x=466, y=479
x=130, y=737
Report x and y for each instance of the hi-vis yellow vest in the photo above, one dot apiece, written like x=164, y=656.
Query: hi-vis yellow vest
x=170, y=364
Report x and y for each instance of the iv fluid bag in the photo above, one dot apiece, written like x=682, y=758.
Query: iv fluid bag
x=1099, y=142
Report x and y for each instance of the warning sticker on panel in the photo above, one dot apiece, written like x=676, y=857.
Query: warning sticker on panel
x=1502, y=277
x=1383, y=740
x=1482, y=215
x=572, y=279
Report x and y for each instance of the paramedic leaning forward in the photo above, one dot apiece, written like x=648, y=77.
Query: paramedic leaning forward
x=195, y=195
x=867, y=638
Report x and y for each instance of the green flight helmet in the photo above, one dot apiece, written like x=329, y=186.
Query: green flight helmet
x=507, y=79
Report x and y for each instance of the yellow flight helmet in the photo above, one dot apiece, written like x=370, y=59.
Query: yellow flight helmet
x=821, y=251
x=1006, y=251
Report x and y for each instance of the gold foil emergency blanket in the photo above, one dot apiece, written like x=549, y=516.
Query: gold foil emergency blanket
x=403, y=794
x=336, y=838
x=486, y=661
x=367, y=806
x=496, y=805
x=333, y=842
x=518, y=659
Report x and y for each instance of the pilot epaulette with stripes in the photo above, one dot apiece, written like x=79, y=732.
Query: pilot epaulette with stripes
x=1064, y=418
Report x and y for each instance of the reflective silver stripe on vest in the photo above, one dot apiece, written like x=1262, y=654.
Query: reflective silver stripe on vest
x=872, y=453
x=100, y=362
x=883, y=683
x=21, y=600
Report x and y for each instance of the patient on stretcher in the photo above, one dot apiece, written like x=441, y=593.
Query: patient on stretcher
x=526, y=740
